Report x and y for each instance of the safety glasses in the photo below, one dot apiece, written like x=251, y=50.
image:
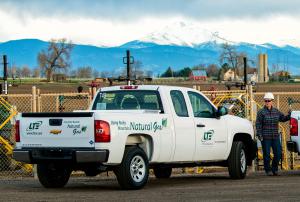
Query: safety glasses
x=268, y=100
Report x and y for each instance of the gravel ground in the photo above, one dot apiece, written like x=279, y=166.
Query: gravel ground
x=187, y=187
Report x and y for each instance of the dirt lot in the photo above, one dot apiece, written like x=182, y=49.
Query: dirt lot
x=201, y=187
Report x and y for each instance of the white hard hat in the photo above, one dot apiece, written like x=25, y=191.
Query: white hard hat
x=269, y=96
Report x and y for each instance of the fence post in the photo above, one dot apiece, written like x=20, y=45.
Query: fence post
x=34, y=110
x=33, y=99
x=57, y=103
x=278, y=102
x=251, y=98
x=94, y=92
x=247, y=103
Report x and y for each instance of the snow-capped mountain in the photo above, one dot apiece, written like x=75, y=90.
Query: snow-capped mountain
x=183, y=34
x=192, y=35
x=154, y=57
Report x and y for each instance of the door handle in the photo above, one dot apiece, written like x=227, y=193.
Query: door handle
x=200, y=125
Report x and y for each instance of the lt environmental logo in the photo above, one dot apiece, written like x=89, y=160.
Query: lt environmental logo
x=207, y=137
x=34, y=126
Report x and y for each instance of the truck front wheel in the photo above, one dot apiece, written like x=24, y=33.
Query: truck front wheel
x=133, y=172
x=53, y=175
x=237, y=161
x=162, y=172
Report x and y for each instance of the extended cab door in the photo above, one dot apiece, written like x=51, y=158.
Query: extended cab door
x=183, y=127
x=211, y=132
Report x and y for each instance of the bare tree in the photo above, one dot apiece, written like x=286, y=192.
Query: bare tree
x=36, y=72
x=12, y=71
x=73, y=73
x=104, y=74
x=137, y=69
x=18, y=72
x=212, y=70
x=25, y=72
x=84, y=72
x=56, y=56
x=149, y=73
x=229, y=55
x=95, y=73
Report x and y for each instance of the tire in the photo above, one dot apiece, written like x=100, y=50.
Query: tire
x=237, y=161
x=53, y=175
x=162, y=172
x=133, y=172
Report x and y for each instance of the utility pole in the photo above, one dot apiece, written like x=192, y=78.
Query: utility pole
x=245, y=71
x=5, y=74
x=128, y=60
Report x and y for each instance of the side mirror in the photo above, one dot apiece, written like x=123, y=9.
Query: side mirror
x=222, y=111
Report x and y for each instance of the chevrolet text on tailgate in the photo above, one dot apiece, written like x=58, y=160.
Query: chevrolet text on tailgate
x=130, y=129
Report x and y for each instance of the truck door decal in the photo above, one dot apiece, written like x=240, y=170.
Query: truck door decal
x=208, y=137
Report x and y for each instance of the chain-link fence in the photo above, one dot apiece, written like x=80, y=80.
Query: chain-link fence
x=66, y=102
x=10, y=105
x=284, y=101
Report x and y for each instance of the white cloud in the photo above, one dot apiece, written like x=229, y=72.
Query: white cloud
x=115, y=22
x=79, y=29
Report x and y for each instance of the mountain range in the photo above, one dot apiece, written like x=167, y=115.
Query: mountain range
x=158, y=51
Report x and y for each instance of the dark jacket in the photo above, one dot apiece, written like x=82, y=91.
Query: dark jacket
x=267, y=122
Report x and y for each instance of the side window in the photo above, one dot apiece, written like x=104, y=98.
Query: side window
x=201, y=107
x=179, y=103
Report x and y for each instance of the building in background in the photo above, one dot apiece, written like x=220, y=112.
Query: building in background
x=263, y=71
x=229, y=75
x=198, y=75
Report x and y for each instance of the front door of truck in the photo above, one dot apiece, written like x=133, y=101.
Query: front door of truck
x=211, y=132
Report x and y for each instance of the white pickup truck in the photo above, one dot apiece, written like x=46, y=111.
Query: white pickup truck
x=130, y=129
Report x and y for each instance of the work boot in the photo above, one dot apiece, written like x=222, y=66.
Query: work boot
x=269, y=173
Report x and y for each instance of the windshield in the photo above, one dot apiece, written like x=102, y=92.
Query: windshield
x=128, y=100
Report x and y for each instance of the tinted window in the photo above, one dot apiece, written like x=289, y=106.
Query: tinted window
x=179, y=103
x=201, y=107
x=128, y=99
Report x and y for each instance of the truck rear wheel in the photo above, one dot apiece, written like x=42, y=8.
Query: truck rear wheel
x=237, y=161
x=162, y=172
x=53, y=175
x=133, y=172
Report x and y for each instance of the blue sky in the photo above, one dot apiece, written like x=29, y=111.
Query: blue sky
x=113, y=22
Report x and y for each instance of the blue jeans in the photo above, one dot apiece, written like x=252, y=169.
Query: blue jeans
x=276, y=147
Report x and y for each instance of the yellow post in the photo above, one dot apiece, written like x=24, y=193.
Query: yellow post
x=34, y=110
x=247, y=102
x=57, y=104
x=94, y=91
x=251, y=103
x=33, y=99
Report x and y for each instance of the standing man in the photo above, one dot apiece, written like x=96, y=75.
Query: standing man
x=267, y=122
